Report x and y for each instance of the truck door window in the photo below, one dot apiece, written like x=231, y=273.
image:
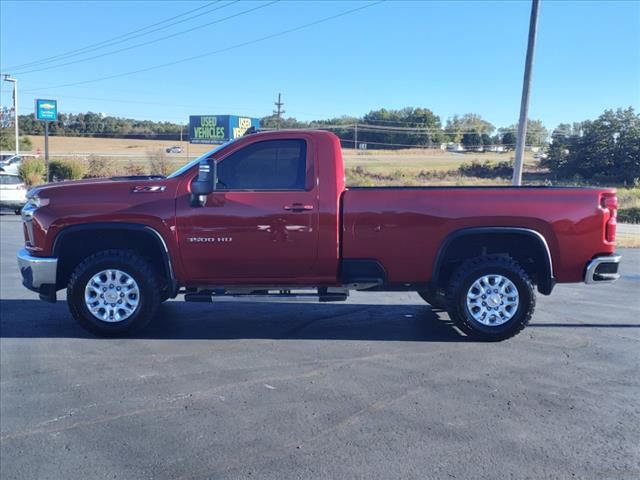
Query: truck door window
x=268, y=165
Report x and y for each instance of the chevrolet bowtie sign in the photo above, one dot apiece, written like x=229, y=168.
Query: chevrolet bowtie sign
x=46, y=110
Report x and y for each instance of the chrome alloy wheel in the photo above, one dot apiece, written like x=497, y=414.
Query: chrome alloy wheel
x=112, y=295
x=492, y=300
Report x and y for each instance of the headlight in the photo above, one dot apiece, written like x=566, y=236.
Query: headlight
x=37, y=202
x=33, y=203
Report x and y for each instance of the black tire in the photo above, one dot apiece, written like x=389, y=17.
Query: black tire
x=472, y=270
x=435, y=300
x=134, y=266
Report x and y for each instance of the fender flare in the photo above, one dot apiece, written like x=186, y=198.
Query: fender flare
x=152, y=232
x=546, y=281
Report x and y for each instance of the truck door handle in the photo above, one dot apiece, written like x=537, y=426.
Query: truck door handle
x=298, y=207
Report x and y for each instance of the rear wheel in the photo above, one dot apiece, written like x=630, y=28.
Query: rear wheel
x=113, y=293
x=491, y=298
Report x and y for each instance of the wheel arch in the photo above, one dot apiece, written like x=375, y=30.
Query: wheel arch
x=73, y=244
x=531, y=250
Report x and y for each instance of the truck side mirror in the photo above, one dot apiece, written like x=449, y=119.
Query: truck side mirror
x=205, y=183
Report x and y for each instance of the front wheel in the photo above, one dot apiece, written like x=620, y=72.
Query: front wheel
x=433, y=299
x=113, y=293
x=491, y=298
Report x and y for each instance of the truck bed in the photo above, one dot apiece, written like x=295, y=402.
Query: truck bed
x=403, y=228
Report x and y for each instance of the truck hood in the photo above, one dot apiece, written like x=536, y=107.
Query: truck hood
x=59, y=187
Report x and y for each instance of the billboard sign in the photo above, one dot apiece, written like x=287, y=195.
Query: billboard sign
x=46, y=110
x=219, y=128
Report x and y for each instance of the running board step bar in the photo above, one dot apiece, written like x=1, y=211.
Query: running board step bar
x=324, y=294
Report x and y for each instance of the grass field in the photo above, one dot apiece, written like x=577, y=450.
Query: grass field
x=123, y=146
x=379, y=162
x=416, y=160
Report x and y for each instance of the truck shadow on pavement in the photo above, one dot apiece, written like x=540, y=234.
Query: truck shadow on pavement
x=296, y=321
x=286, y=321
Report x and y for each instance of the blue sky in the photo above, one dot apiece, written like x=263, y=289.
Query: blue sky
x=451, y=57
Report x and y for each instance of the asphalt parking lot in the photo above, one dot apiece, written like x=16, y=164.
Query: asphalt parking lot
x=378, y=387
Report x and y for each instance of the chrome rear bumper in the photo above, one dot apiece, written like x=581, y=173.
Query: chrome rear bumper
x=603, y=270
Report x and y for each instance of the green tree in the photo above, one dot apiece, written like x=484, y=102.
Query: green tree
x=606, y=148
x=8, y=141
x=509, y=139
x=408, y=126
x=537, y=133
x=471, y=140
x=271, y=121
x=471, y=124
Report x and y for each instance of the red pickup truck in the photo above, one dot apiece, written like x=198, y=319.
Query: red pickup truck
x=269, y=215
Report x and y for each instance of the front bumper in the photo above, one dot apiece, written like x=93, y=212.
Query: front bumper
x=603, y=270
x=38, y=274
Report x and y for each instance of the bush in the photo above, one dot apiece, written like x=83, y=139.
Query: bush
x=32, y=171
x=158, y=162
x=70, y=169
x=134, y=169
x=629, y=215
x=99, y=167
x=8, y=141
x=486, y=169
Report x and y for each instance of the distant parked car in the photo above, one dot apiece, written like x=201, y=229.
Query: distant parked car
x=175, y=149
x=11, y=164
x=13, y=192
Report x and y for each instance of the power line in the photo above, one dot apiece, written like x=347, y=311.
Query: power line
x=389, y=129
x=112, y=41
x=131, y=47
x=213, y=52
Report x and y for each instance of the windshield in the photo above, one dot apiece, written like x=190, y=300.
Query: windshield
x=195, y=161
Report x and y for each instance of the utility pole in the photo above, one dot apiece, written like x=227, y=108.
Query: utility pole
x=7, y=78
x=524, y=103
x=278, y=113
x=355, y=137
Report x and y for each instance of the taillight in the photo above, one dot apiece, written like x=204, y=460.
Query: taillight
x=609, y=201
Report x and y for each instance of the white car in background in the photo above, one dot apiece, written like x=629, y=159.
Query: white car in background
x=10, y=165
x=13, y=192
